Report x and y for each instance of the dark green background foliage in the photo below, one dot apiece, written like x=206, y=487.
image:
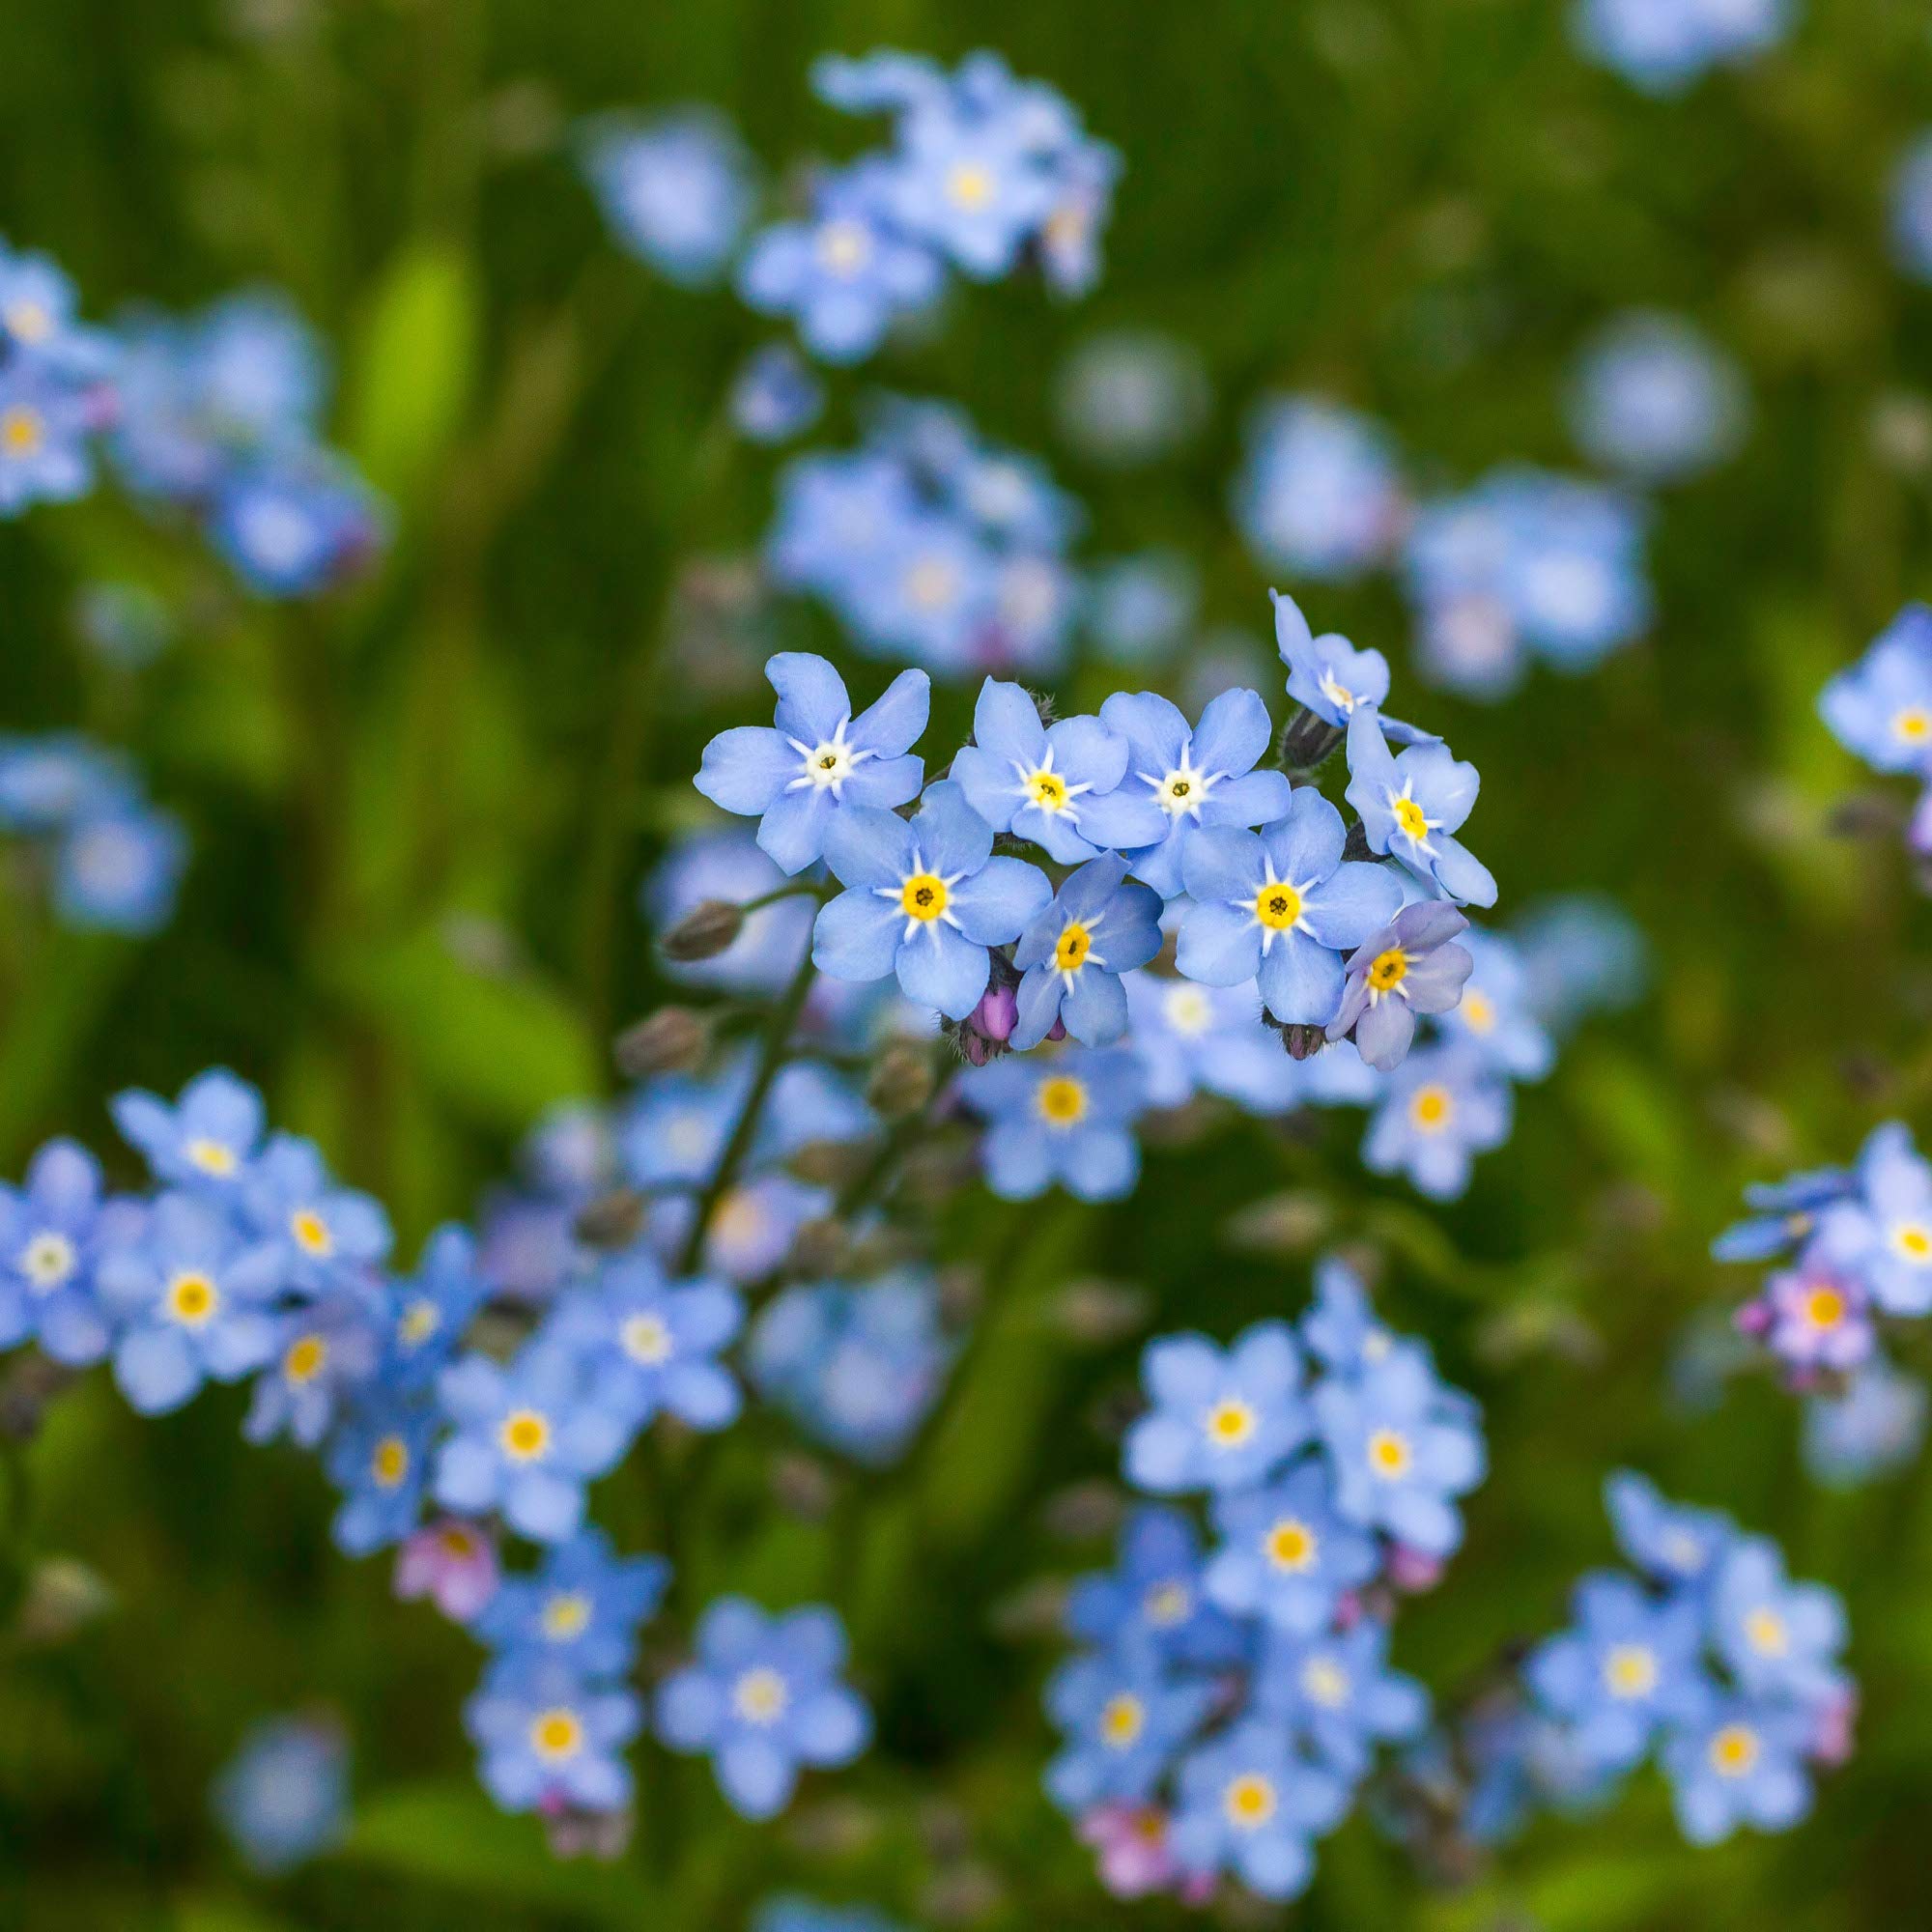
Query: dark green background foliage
x=420, y=816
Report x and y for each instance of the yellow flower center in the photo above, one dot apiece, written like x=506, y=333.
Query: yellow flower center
x=1389, y=1453
x=1290, y=1546
x=458, y=1542
x=1734, y=1750
x=1825, y=1308
x=213, y=1158
x=1912, y=723
x=306, y=1358
x=29, y=322
x=1070, y=949
x=647, y=1340
x=1277, y=907
x=1121, y=1722
x=1167, y=1604
x=1408, y=815
x=555, y=1735
x=1630, y=1670
x=311, y=1233
x=193, y=1299
x=1326, y=1683
x=46, y=1261
x=1061, y=1101
x=525, y=1434
x=390, y=1462
x=1431, y=1108
x=738, y=1217
x=1913, y=1242
x=843, y=247
x=1388, y=970
x=20, y=432
x=1047, y=790
x=1766, y=1634
x=932, y=584
x=923, y=896
x=420, y=1320
x=760, y=1696
x=1478, y=1014
x=1250, y=1802
x=566, y=1615
x=970, y=187
x=1230, y=1424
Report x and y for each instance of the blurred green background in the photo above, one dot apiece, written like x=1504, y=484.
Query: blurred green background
x=420, y=814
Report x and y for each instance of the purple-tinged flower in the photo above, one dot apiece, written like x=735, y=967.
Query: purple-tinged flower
x=1816, y=1317
x=1074, y=950
x=452, y=1562
x=207, y=1140
x=190, y=1298
x=1884, y=1235
x=1411, y=803
x=1402, y=1446
x=1280, y=907
x=924, y=899
x=1057, y=785
x=1249, y=1805
x=1412, y=966
x=1065, y=1117
x=819, y=761
x=1285, y=1556
x=1780, y=1639
x=1124, y=1719
x=54, y=1231
x=1742, y=1763
x=549, y=1739
x=1136, y=1855
x=763, y=1698
x=293, y=525
x=1440, y=1110
x=1881, y=708
x=1198, y=778
x=1220, y=1419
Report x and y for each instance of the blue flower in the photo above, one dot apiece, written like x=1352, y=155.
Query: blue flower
x=1628, y=1668
x=294, y=526
x=763, y=1698
x=1912, y=209
x=1652, y=397
x=1192, y=1038
x=380, y=1460
x=676, y=1127
x=1124, y=1720
x=820, y=760
x=1741, y=1763
x=1495, y=1021
x=1249, y=1805
x=1668, y=1541
x=924, y=899
x=1052, y=784
x=119, y=870
x=1196, y=779
x=1327, y=675
x=1660, y=47
x=1065, y=1117
x=1337, y=1695
x=44, y=431
x=582, y=1608
x=676, y=189
x=323, y=1233
x=284, y=1797
x=1321, y=492
x=1411, y=804
x=1285, y=1556
x=1882, y=708
x=52, y=780
x=1401, y=1447
x=1066, y=978
x=1441, y=1110
x=1581, y=953
x=1410, y=967
x=54, y=1231
x=776, y=396
x=1281, y=907
x=788, y=1911
x=1340, y=1330
x=525, y=1440
x=191, y=1298
x=36, y=308
x=1884, y=1235
x=1786, y=1212
x=651, y=1347
x=1782, y=1640
x=326, y=1352
x=207, y=1140
x=549, y=1738
x=1876, y=1425
x=846, y=273
x=751, y=1230
x=976, y=188
x=1155, y=1599
x=1221, y=1419
x=432, y=1308
x=1139, y=607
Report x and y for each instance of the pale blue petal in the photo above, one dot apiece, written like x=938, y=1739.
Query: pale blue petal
x=856, y=936
x=1306, y=842
x=1156, y=730
x=894, y=723
x=1220, y=945
x=1300, y=981
x=1086, y=752
x=1258, y=798
x=995, y=904
x=940, y=968
x=883, y=782
x=812, y=703
x=792, y=833
x=1221, y=863
x=951, y=837
x=743, y=770
x=867, y=847
x=1095, y=1010
x=1006, y=727
x=1359, y=899
x=1038, y=1000
x=1234, y=734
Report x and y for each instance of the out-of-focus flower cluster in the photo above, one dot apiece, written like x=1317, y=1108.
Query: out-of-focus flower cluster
x=216, y=417
x=1662, y=46
x=111, y=859
x=984, y=174
x=1708, y=1662
x=1852, y=1249
x=1237, y=1691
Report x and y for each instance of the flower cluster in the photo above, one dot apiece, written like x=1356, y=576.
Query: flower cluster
x=1708, y=1662
x=217, y=416
x=1880, y=708
x=1524, y=565
x=113, y=860
x=1662, y=46
x=1232, y=1699
x=932, y=544
x=1853, y=1249
x=984, y=172
x=247, y=1261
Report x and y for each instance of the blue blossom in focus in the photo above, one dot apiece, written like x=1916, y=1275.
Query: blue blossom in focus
x=283, y=1797
x=676, y=189
x=1653, y=398
x=1073, y=951
x=1410, y=805
x=1319, y=495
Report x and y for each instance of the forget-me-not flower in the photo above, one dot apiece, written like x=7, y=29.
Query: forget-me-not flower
x=1440, y=1110
x=1125, y=1717
x=205, y=1140
x=582, y=1608
x=1221, y=1419
x=1884, y=1235
x=321, y=1231
x=1155, y=1597
x=1782, y=1640
x=549, y=1737
x=380, y=1460
x=1336, y=1693
x=54, y=1229
x=1411, y=804
x=675, y=188
x=1066, y=1118
x=1882, y=706
x=1284, y=1554
x=1074, y=950
x=1412, y=966
x=1250, y=1805
x=1742, y=1763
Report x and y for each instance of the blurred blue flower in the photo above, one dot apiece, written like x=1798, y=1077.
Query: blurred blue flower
x=45, y=428
x=1065, y=1117
x=763, y=1699
x=1881, y=708
x=1249, y=1805
x=320, y=1233
x=1284, y=1555
x=1220, y=1419
x=1912, y=209
x=1336, y=1694
x=1155, y=1597
x=1581, y=953
x=582, y=1608
x=1440, y=1110
x=776, y=396
x=1138, y=609
x=294, y=526
x=1742, y=1764
x=1124, y=1718
x=1495, y=1020
x=1125, y=398
x=1883, y=1235
x=726, y=864
x=1652, y=398
x=380, y=1460
x=1319, y=495
x=207, y=1140
x=676, y=189
x=1780, y=1639
x=325, y=1353
x=1875, y=1425
x=284, y=1797
x=431, y=1309
x=1671, y=1543
x=1660, y=47
x=119, y=870
x=548, y=1738
x=1192, y=1038
x=54, y=1229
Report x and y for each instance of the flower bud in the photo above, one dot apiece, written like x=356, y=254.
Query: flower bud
x=704, y=932
x=902, y=1080
x=830, y=1163
x=611, y=1221
x=674, y=1039
x=1308, y=742
x=1303, y=1042
x=982, y=1035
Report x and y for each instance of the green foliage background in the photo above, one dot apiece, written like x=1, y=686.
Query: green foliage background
x=420, y=816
